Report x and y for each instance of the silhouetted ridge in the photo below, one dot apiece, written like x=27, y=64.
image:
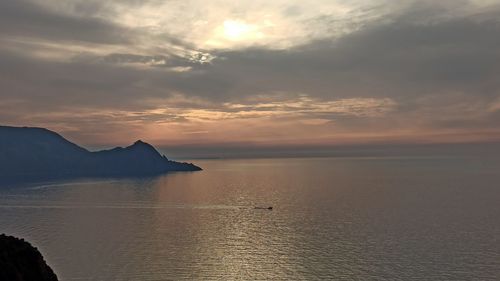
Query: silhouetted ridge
x=37, y=152
x=19, y=261
x=142, y=147
x=141, y=143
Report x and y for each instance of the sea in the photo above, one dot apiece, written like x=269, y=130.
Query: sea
x=343, y=218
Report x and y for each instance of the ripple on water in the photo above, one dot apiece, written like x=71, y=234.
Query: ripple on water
x=333, y=219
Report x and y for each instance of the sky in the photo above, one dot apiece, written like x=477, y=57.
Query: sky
x=198, y=73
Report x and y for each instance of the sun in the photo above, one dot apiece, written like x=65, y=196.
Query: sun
x=232, y=33
x=237, y=30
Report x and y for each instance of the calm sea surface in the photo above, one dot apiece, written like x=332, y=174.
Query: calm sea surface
x=333, y=219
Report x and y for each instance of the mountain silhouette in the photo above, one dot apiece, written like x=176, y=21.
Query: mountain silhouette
x=33, y=153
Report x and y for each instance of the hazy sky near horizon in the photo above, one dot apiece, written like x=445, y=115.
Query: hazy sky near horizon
x=197, y=72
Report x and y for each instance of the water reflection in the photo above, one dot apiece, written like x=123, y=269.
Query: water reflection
x=385, y=219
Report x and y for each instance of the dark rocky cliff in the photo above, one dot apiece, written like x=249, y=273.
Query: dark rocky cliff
x=20, y=261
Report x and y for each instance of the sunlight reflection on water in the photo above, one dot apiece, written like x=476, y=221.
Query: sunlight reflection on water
x=349, y=219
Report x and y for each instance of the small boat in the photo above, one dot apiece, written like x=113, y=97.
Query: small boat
x=264, y=208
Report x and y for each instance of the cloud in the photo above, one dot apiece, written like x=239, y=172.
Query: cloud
x=282, y=71
x=24, y=18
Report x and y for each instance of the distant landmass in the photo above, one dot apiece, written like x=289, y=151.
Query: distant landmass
x=38, y=153
x=19, y=261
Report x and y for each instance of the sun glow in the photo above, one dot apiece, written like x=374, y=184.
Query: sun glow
x=239, y=30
